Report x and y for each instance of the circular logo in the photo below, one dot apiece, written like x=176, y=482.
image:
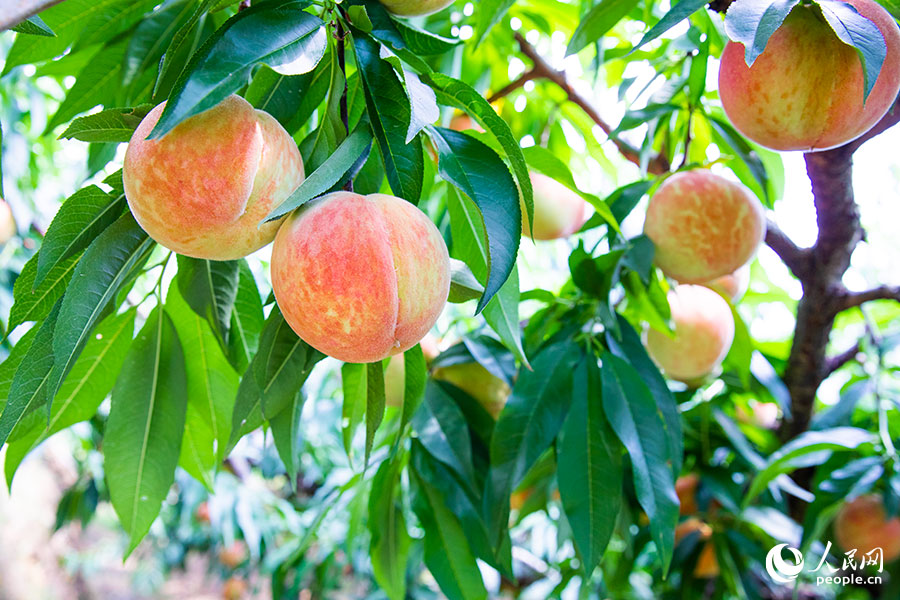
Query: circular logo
x=781, y=570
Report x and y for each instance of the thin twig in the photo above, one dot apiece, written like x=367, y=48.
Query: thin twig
x=882, y=292
x=839, y=360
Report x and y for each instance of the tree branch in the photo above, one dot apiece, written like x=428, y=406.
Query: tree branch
x=21, y=10
x=542, y=70
x=882, y=292
x=839, y=360
x=513, y=85
x=795, y=258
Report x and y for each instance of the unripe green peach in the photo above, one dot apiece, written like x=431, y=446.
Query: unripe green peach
x=203, y=188
x=862, y=524
x=415, y=8
x=703, y=332
x=360, y=278
x=490, y=391
x=703, y=226
x=558, y=211
x=7, y=223
x=805, y=91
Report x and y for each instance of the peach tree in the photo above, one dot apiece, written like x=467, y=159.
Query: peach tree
x=406, y=154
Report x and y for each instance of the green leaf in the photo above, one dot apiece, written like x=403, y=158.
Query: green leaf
x=601, y=18
x=176, y=48
x=96, y=84
x=447, y=552
x=10, y=364
x=640, y=426
x=725, y=133
x=371, y=17
x=34, y=25
x=34, y=303
x=424, y=43
x=81, y=218
x=327, y=174
x=477, y=171
x=111, y=125
x=859, y=32
x=753, y=23
x=212, y=385
x=277, y=33
x=463, y=285
x=273, y=377
x=210, y=288
x=453, y=92
x=143, y=433
x=106, y=265
x=795, y=453
x=502, y=315
x=375, y=403
x=246, y=319
x=415, y=378
x=86, y=386
x=291, y=99
x=628, y=347
x=390, y=541
x=590, y=481
x=532, y=417
x=442, y=430
x=489, y=14
x=286, y=435
x=29, y=388
x=149, y=40
x=390, y=115
x=113, y=20
x=676, y=15
x=354, y=385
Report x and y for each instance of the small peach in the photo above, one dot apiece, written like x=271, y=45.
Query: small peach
x=558, y=211
x=7, y=223
x=415, y=8
x=862, y=524
x=490, y=391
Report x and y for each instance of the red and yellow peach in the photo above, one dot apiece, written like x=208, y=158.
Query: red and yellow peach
x=558, y=211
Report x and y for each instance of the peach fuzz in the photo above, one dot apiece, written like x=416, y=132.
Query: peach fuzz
x=862, y=524
x=415, y=8
x=203, y=188
x=703, y=226
x=7, y=223
x=558, y=211
x=805, y=91
x=703, y=332
x=360, y=278
x=490, y=391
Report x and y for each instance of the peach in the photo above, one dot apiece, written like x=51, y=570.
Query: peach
x=686, y=490
x=395, y=372
x=689, y=526
x=703, y=332
x=415, y=8
x=707, y=566
x=234, y=555
x=7, y=223
x=703, y=226
x=360, y=278
x=558, y=211
x=203, y=188
x=733, y=286
x=863, y=525
x=490, y=391
x=805, y=91
x=235, y=588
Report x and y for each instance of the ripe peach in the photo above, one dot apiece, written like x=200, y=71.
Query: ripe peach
x=202, y=189
x=703, y=226
x=490, y=391
x=733, y=286
x=395, y=372
x=414, y=8
x=7, y=223
x=233, y=555
x=863, y=525
x=686, y=490
x=235, y=588
x=703, y=332
x=360, y=278
x=558, y=211
x=805, y=91
x=707, y=566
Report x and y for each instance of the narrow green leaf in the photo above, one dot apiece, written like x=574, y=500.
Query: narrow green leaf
x=111, y=125
x=81, y=218
x=34, y=25
x=150, y=38
x=862, y=34
x=144, y=430
x=390, y=115
x=637, y=421
x=502, y=314
x=286, y=435
x=590, y=479
x=29, y=389
x=599, y=20
x=34, y=303
x=106, y=265
x=10, y=364
x=354, y=385
x=415, y=378
x=329, y=173
x=116, y=18
x=210, y=288
x=442, y=430
x=463, y=285
x=477, y=171
x=246, y=319
x=390, y=541
x=490, y=12
x=676, y=15
x=374, y=403
x=174, y=49
x=753, y=23
x=278, y=33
